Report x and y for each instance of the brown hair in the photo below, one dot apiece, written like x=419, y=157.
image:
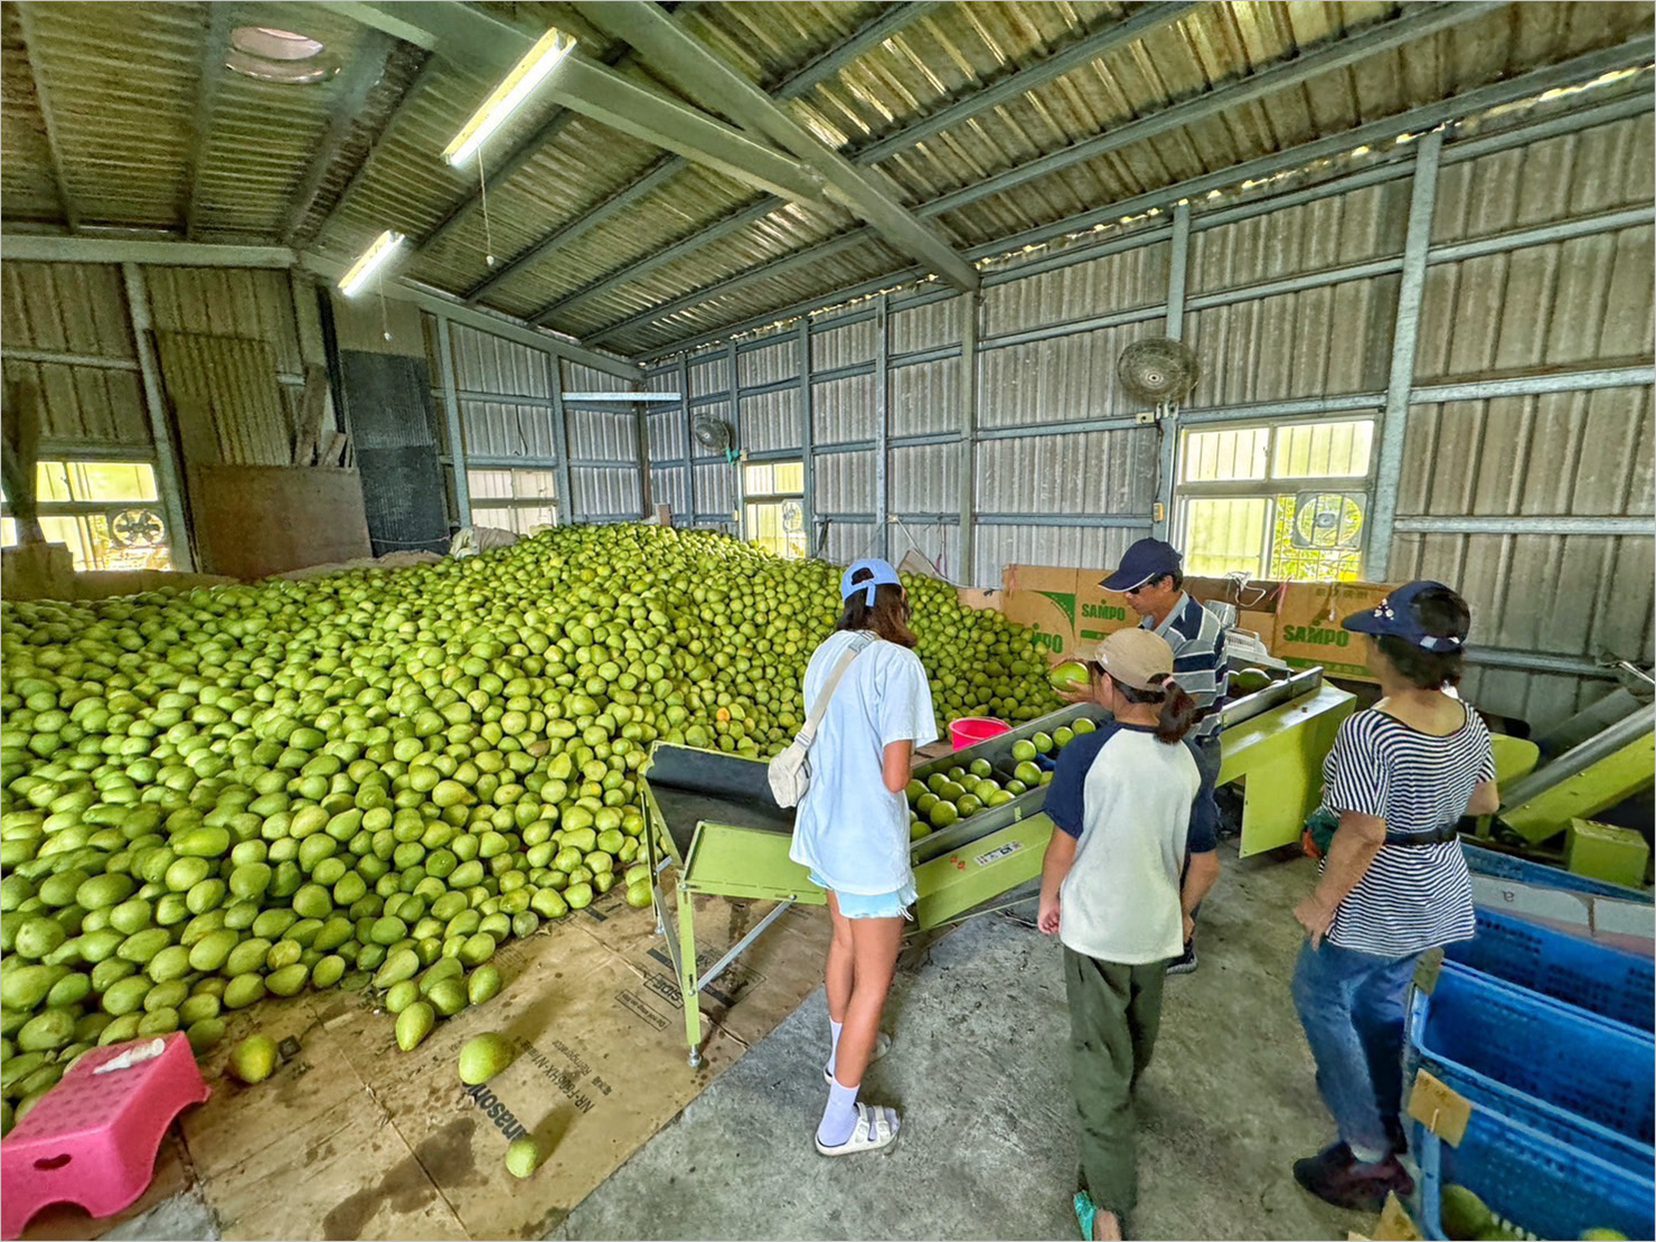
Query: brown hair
x=1178, y=709
x=889, y=617
x=1443, y=614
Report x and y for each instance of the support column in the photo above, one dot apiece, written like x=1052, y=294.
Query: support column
x=972, y=309
x=739, y=487
x=689, y=440
x=1178, y=268
x=882, y=426
x=456, y=429
x=169, y=480
x=806, y=435
x=560, y=441
x=1405, y=337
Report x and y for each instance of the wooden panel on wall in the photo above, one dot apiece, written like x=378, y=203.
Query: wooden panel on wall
x=253, y=521
x=224, y=396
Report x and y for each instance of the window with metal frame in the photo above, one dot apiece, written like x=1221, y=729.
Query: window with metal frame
x=107, y=513
x=513, y=499
x=774, y=508
x=1285, y=501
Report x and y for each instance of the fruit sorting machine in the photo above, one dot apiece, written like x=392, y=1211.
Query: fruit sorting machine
x=714, y=823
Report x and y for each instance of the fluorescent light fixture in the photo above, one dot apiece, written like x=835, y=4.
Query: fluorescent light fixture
x=506, y=98
x=372, y=261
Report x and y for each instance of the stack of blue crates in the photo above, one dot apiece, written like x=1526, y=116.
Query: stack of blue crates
x=1549, y=1037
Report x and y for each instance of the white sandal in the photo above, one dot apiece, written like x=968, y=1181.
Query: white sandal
x=882, y=1045
x=877, y=1127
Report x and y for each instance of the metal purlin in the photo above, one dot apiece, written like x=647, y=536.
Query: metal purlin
x=1405, y=337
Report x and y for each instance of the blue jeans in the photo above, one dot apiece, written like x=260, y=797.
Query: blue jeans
x=1351, y=1006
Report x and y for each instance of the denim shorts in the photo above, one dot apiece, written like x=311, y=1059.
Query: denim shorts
x=879, y=906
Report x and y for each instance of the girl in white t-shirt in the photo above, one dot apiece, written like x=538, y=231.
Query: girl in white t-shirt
x=852, y=831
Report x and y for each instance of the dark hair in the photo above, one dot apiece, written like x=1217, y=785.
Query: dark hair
x=1178, y=709
x=888, y=618
x=1443, y=614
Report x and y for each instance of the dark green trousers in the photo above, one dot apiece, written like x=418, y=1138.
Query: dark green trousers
x=1115, y=1012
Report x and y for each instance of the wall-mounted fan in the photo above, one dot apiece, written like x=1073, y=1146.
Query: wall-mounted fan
x=1159, y=372
x=137, y=528
x=716, y=435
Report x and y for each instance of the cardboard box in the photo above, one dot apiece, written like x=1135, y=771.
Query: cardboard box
x=1044, y=599
x=1308, y=625
x=1098, y=612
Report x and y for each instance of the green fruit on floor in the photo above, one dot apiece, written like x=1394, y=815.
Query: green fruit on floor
x=1463, y=1213
x=403, y=964
x=448, y=997
x=48, y=1031
x=243, y=991
x=254, y=1059
x=639, y=894
x=204, y=1034
x=401, y=996
x=414, y=1024
x=288, y=981
x=485, y=1056
x=523, y=1157
x=483, y=985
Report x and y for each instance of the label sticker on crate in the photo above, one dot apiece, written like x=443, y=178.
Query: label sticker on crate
x=1427, y=970
x=1440, y=1108
x=995, y=856
x=1396, y=1225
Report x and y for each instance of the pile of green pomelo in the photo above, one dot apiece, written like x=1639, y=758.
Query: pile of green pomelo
x=375, y=778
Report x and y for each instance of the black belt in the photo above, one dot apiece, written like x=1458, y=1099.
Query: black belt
x=1430, y=836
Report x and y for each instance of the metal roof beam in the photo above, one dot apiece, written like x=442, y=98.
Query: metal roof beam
x=54, y=137
x=376, y=148
x=486, y=44
x=695, y=70
x=1631, y=54
x=201, y=123
x=80, y=248
x=825, y=66
x=1082, y=52
x=368, y=65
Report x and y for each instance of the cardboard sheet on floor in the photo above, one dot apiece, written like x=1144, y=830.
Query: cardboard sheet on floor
x=353, y=1138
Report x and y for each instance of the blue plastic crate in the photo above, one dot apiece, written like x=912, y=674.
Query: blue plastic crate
x=1554, y=1067
x=1530, y=1178
x=1610, y=982
x=1510, y=867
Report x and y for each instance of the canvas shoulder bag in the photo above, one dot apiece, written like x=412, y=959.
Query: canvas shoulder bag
x=790, y=771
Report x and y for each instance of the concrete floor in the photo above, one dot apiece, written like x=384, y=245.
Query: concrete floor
x=980, y=1073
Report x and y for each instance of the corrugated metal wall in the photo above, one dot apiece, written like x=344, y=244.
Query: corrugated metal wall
x=605, y=475
x=1526, y=449
x=65, y=329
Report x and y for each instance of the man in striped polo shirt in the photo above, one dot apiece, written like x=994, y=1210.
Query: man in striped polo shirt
x=1151, y=576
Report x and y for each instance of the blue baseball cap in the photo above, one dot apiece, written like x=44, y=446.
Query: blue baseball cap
x=1398, y=615
x=884, y=575
x=1145, y=561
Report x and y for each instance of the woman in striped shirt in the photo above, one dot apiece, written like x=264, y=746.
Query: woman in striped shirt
x=1399, y=777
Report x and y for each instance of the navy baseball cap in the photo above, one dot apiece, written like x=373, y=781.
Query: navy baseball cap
x=884, y=575
x=1145, y=561
x=1398, y=615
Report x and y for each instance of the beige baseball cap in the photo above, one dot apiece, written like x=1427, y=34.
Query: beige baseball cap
x=1136, y=658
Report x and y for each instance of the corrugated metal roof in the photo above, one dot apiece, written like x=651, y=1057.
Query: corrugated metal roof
x=124, y=81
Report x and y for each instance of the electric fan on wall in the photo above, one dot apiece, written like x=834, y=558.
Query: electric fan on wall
x=1159, y=372
x=717, y=436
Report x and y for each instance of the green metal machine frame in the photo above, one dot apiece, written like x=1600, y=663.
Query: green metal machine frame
x=713, y=819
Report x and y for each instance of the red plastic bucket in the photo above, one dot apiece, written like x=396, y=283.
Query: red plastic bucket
x=971, y=730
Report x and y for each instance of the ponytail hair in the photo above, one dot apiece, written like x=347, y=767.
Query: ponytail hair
x=1178, y=709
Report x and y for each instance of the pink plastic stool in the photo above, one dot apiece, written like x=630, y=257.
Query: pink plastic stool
x=93, y=1140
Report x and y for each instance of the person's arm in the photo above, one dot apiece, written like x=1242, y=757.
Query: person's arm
x=1200, y=877
x=1060, y=857
x=1486, y=799
x=1356, y=842
x=897, y=764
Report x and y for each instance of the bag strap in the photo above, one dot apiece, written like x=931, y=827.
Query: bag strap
x=807, y=735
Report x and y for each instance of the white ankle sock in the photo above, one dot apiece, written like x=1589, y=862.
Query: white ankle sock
x=833, y=1048
x=839, y=1119
x=1365, y=1155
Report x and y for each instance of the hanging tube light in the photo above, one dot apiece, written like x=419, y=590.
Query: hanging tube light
x=509, y=96
x=373, y=260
